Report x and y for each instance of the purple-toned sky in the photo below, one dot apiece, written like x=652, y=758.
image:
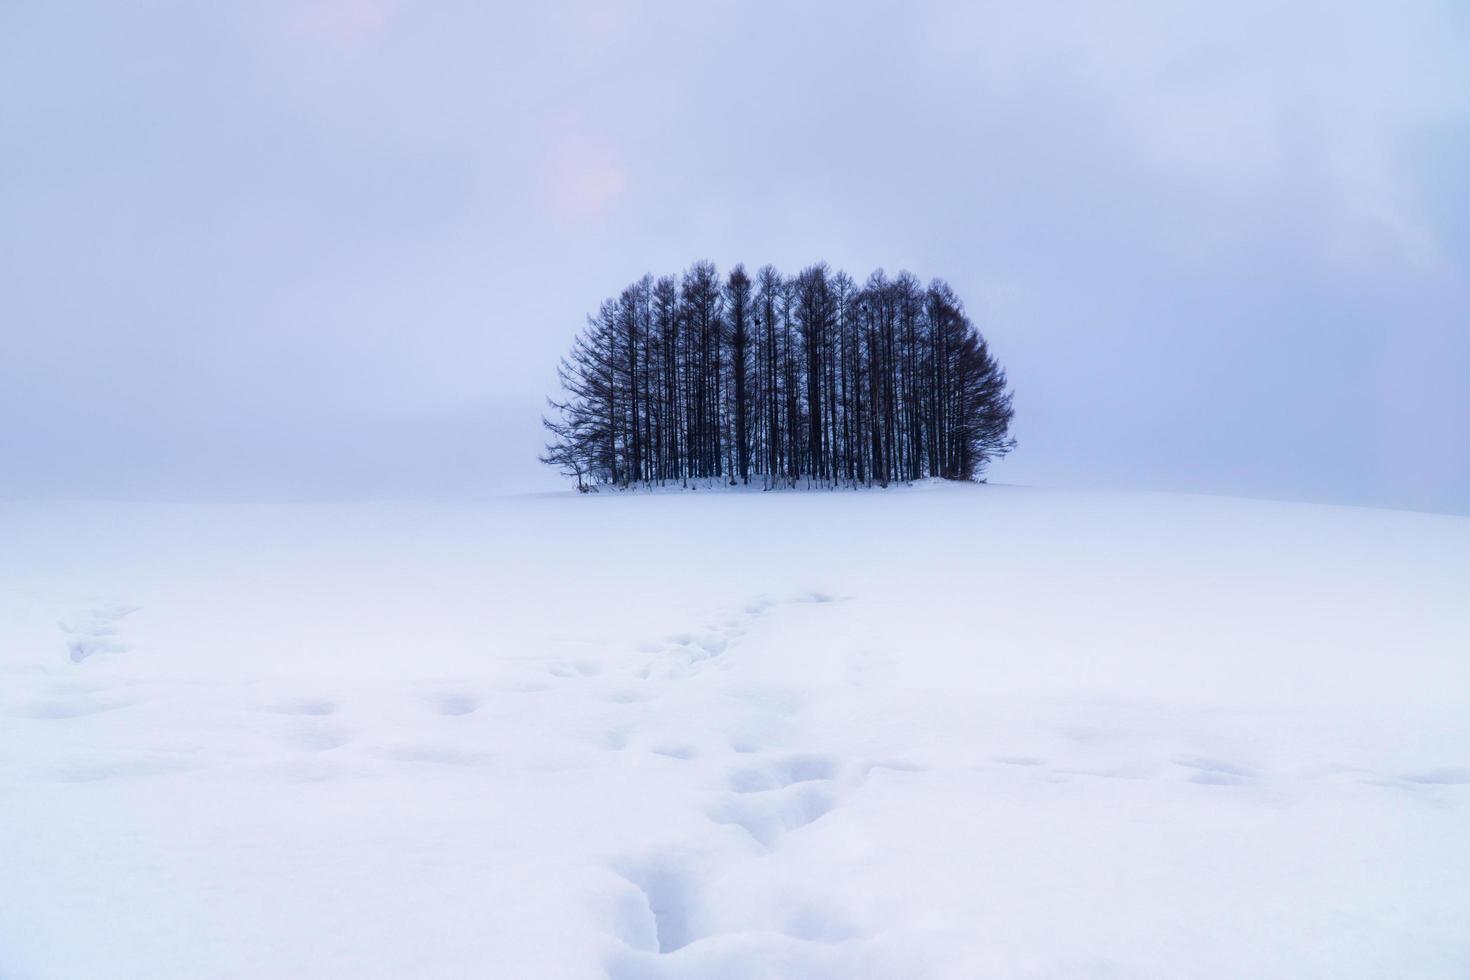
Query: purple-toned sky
x=334, y=248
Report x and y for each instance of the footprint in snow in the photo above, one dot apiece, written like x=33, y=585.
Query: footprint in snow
x=1450, y=776
x=670, y=887
x=321, y=738
x=768, y=816
x=94, y=631
x=616, y=738
x=675, y=751
x=783, y=771
x=1212, y=772
x=77, y=707
x=774, y=797
x=455, y=704
x=309, y=706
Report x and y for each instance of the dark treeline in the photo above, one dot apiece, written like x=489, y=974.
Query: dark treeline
x=806, y=380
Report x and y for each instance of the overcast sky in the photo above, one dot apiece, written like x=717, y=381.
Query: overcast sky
x=334, y=249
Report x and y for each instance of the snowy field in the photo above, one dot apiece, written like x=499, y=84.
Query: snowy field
x=938, y=732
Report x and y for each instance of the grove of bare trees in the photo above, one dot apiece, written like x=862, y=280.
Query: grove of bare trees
x=810, y=380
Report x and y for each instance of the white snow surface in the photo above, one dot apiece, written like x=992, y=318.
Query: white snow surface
x=945, y=731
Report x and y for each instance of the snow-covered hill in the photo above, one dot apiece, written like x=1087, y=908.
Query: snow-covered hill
x=938, y=732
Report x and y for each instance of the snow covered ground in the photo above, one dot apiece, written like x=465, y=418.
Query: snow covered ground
x=937, y=732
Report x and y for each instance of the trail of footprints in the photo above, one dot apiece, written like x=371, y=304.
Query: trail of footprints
x=777, y=792
x=766, y=800
x=316, y=728
x=767, y=794
x=683, y=654
x=93, y=632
